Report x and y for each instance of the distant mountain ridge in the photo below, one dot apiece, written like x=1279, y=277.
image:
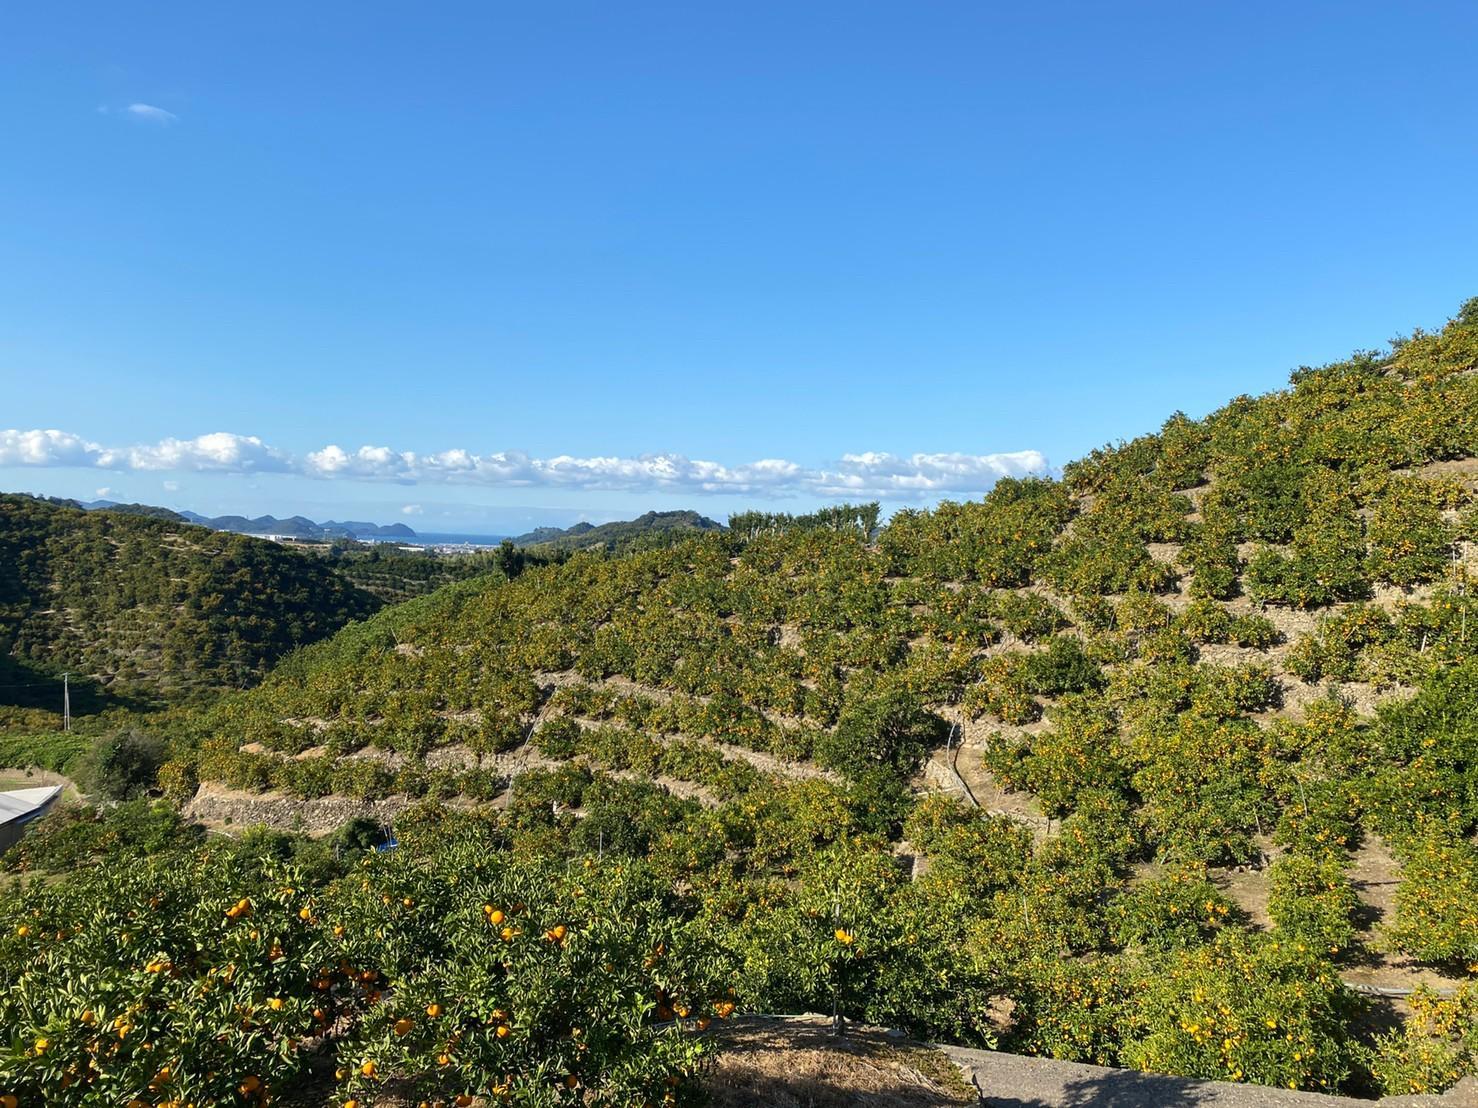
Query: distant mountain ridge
x=588, y=536
x=580, y=536
x=298, y=527
x=301, y=527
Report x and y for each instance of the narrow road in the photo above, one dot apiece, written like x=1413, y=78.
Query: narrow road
x=1013, y=1081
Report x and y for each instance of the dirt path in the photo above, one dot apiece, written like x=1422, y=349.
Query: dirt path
x=962, y=765
x=1375, y=874
x=39, y=778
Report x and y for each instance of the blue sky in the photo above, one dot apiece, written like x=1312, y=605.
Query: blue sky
x=877, y=246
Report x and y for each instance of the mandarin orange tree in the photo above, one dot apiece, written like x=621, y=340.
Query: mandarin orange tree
x=530, y=984
x=1311, y=898
x=190, y=978
x=213, y=975
x=1242, y=1008
x=1437, y=901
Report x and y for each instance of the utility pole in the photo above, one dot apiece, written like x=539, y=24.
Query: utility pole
x=66, y=702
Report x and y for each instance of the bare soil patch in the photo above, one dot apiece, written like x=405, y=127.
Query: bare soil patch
x=1247, y=888
x=801, y=1064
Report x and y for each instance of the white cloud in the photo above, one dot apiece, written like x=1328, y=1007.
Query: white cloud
x=46, y=448
x=219, y=451
x=102, y=493
x=150, y=114
x=869, y=475
x=170, y=486
x=412, y=510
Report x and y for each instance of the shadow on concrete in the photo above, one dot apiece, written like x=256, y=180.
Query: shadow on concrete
x=1121, y=1089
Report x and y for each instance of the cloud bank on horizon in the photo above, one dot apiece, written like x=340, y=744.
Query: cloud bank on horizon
x=871, y=474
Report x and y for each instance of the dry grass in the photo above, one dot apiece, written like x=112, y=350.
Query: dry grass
x=801, y=1064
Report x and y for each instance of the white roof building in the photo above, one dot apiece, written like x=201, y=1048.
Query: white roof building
x=20, y=807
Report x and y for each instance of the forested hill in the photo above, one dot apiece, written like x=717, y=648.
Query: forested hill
x=612, y=537
x=156, y=607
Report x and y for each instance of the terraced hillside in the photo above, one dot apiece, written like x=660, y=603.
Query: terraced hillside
x=1167, y=717
x=392, y=574
x=156, y=607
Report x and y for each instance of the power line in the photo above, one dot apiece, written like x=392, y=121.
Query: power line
x=49, y=683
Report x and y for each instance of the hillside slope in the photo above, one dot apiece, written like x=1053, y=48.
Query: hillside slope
x=153, y=606
x=393, y=574
x=1183, y=740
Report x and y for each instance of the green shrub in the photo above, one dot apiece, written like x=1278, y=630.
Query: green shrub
x=1436, y=901
x=120, y=766
x=1311, y=900
x=1242, y=1008
x=1179, y=910
x=558, y=737
x=49, y=750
